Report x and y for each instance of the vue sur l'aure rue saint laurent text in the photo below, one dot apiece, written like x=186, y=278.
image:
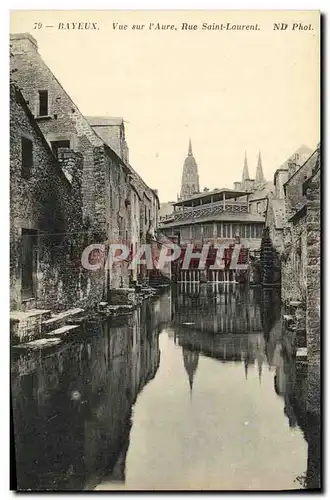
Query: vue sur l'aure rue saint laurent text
x=187, y=27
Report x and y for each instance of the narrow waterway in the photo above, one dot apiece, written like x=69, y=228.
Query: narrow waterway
x=194, y=391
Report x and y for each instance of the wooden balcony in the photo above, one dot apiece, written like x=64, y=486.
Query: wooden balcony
x=211, y=209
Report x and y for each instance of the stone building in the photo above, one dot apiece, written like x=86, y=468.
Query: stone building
x=293, y=225
x=276, y=215
x=46, y=218
x=295, y=233
x=117, y=206
x=219, y=216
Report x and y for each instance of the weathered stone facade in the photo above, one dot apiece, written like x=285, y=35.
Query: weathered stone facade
x=46, y=218
x=293, y=225
x=313, y=314
x=116, y=205
x=294, y=255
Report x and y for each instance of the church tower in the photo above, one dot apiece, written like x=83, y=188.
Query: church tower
x=190, y=361
x=260, y=179
x=190, y=178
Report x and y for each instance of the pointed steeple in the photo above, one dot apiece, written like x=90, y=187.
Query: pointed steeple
x=190, y=361
x=246, y=367
x=259, y=369
x=190, y=178
x=245, y=174
x=260, y=179
x=189, y=148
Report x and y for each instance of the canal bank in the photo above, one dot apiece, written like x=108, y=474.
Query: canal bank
x=197, y=387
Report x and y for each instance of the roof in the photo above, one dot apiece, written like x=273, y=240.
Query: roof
x=232, y=192
x=104, y=121
x=303, y=152
x=299, y=214
x=311, y=160
x=260, y=194
x=24, y=36
x=226, y=217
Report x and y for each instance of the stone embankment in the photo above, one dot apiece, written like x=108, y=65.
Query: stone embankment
x=40, y=329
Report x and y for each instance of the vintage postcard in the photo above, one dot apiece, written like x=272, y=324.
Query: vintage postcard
x=165, y=180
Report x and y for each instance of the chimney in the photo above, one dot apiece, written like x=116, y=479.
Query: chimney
x=23, y=42
x=237, y=186
x=292, y=167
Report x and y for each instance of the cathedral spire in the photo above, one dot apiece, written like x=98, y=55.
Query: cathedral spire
x=260, y=179
x=245, y=174
x=190, y=178
x=190, y=361
x=190, y=148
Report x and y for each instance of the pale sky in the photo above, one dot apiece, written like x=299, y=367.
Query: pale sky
x=230, y=91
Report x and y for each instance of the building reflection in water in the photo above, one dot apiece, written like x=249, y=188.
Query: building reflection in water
x=72, y=407
x=190, y=361
x=245, y=325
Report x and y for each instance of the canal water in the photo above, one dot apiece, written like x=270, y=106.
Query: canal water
x=194, y=391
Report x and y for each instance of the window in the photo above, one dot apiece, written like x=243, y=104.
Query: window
x=208, y=231
x=27, y=157
x=219, y=229
x=185, y=233
x=259, y=231
x=43, y=102
x=242, y=231
x=227, y=230
x=236, y=230
x=253, y=231
x=259, y=207
x=59, y=144
x=196, y=232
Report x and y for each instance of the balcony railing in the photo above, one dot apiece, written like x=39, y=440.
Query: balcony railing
x=209, y=210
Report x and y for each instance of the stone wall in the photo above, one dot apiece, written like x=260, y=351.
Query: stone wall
x=294, y=196
x=294, y=261
x=296, y=233
x=64, y=120
x=48, y=201
x=313, y=315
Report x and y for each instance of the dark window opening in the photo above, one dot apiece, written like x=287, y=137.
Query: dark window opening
x=27, y=157
x=59, y=144
x=43, y=102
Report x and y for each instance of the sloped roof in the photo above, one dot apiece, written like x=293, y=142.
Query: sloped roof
x=303, y=152
x=263, y=192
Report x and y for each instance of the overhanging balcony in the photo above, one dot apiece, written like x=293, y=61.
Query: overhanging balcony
x=187, y=213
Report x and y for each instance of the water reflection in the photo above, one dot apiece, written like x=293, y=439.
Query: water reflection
x=72, y=408
x=226, y=408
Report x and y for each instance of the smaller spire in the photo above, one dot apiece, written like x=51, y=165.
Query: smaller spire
x=189, y=148
x=245, y=175
x=259, y=369
x=260, y=179
x=246, y=367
